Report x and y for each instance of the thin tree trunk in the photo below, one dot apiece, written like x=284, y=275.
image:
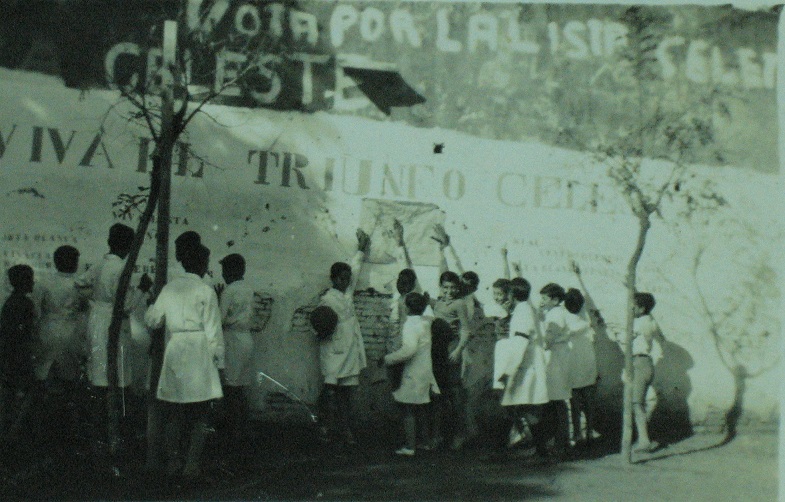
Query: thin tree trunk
x=155, y=418
x=118, y=310
x=632, y=268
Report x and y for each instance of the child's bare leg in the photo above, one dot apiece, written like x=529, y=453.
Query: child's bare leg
x=640, y=424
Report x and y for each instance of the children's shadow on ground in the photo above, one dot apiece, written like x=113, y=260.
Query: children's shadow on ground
x=670, y=419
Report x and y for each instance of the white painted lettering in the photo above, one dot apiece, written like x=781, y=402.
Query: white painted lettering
x=247, y=20
x=342, y=18
x=111, y=59
x=270, y=95
x=664, y=56
x=371, y=24
x=277, y=13
x=402, y=26
x=304, y=24
x=443, y=41
x=573, y=34
x=307, y=80
x=227, y=69
x=750, y=71
x=483, y=28
x=595, y=36
x=697, y=69
x=720, y=74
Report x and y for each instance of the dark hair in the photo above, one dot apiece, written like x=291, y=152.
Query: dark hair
x=449, y=276
x=406, y=277
x=195, y=258
x=573, y=301
x=234, y=263
x=416, y=303
x=120, y=238
x=20, y=276
x=441, y=328
x=185, y=240
x=520, y=289
x=503, y=284
x=338, y=268
x=470, y=279
x=324, y=321
x=553, y=290
x=645, y=301
x=66, y=259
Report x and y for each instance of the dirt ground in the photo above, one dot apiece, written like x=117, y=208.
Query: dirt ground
x=287, y=463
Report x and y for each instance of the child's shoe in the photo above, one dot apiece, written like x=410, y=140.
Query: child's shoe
x=405, y=452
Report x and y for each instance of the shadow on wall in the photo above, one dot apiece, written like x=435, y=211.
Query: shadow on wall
x=670, y=422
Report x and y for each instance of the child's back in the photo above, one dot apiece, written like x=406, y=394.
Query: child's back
x=17, y=321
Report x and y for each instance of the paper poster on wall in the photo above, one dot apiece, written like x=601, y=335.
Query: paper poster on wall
x=377, y=218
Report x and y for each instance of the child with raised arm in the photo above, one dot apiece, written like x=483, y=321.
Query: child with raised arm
x=450, y=307
x=417, y=382
x=521, y=368
x=405, y=283
x=17, y=341
x=557, y=338
x=342, y=356
x=236, y=301
x=582, y=366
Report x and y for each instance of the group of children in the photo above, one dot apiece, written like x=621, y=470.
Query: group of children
x=46, y=347
x=545, y=366
x=544, y=355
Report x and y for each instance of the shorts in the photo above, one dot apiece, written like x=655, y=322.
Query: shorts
x=643, y=370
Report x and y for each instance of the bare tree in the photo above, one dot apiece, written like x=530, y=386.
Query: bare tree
x=165, y=103
x=648, y=160
x=741, y=319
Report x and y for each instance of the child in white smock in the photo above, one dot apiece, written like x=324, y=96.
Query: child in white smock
x=417, y=381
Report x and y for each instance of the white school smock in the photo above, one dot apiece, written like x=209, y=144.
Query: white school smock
x=417, y=381
x=101, y=282
x=343, y=354
x=524, y=361
x=60, y=327
x=583, y=359
x=236, y=310
x=194, y=352
x=645, y=338
x=557, y=339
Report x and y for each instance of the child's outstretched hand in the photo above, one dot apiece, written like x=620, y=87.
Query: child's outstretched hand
x=398, y=232
x=504, y=252
x=516, y=267
x=363, y=241
x=575, y=268
x=441, y=236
